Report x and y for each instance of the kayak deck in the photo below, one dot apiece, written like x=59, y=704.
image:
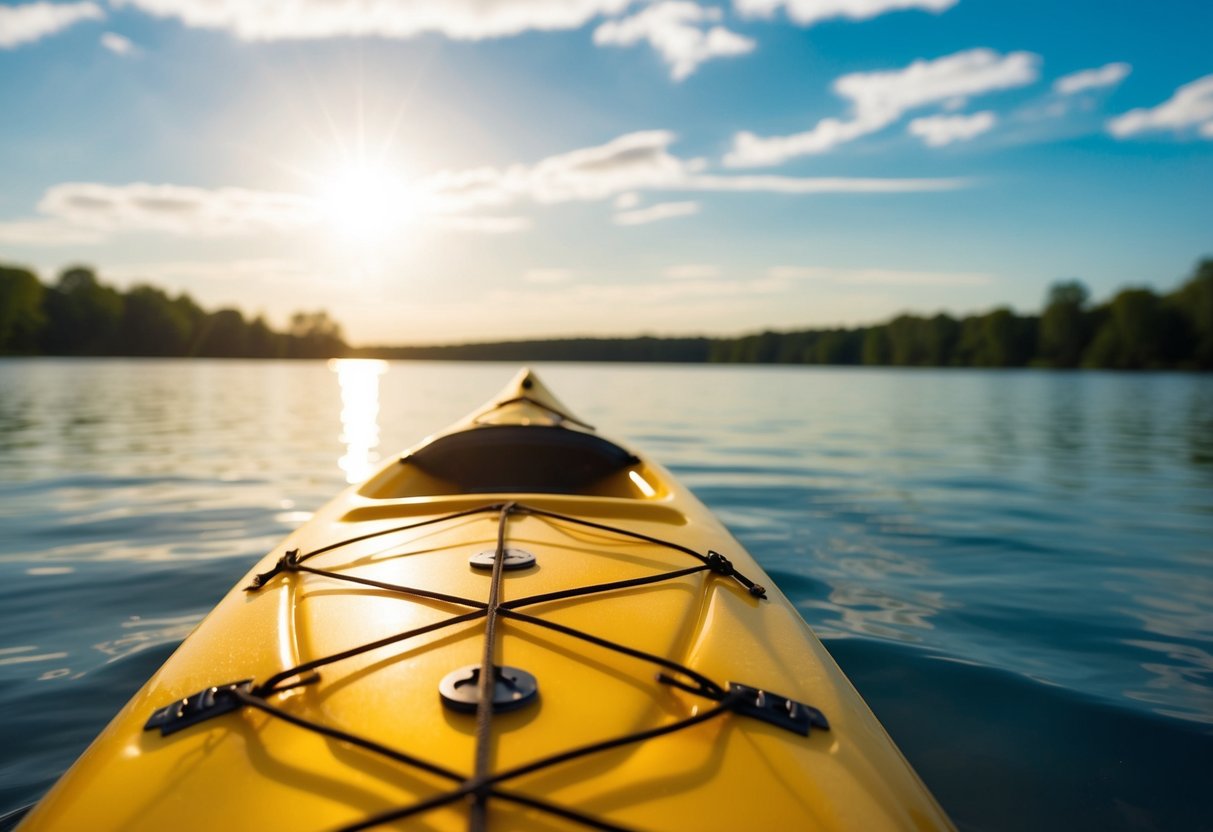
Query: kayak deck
x=377, y=637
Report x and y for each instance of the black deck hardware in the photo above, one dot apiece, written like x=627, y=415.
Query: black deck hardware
x=721, y=565
x=512, y=558
x=287, y=563
x=513, y=689
x=212, y=702
x=789, y=714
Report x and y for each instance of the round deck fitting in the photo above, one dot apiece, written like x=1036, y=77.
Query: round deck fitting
x=513, y=688
x=513, y=559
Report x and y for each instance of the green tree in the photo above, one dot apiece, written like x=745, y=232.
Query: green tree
x=21, y=314
x=315, y=335
x=876, y=345
x=82, y=315
x=224, y=334
x=263, y=342
x=996, y=339
x=837, y=346
x=903, y=339
x=939, y=340
x=1194, y=303
x=1139, y=332
x=1065, y=325
x=152, y=324
x=922, y=342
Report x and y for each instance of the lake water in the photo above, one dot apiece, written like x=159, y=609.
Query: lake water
x=1015, y=568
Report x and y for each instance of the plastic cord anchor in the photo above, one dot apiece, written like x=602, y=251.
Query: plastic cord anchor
x=286, y=563
x=721, y=565
x=211, y=702
x=780, y=711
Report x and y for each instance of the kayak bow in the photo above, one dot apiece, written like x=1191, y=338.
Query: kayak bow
x=518, y=624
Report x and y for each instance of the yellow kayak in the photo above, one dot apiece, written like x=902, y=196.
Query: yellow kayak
x=518, y=624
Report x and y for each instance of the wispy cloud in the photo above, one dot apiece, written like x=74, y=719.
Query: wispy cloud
x=808, y=12
x=90, y=212
x=120, y=45
x=1108, y=75
x=177, y=209
x=270, y=270
x=656, y=213
x=679, y=31
x=33, y=21
x=878, y=99
x=47, y=232
x=879, y=277
x=312, y=19
x=631, y=164
x=804, y=185
x=1190, y=107
x=941, y=130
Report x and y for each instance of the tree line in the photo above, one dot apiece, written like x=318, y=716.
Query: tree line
x=1137, y=329
x=79, y=315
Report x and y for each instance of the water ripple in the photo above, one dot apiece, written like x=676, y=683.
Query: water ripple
x=1015, y=569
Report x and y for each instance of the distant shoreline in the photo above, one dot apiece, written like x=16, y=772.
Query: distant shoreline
x=1137, y=329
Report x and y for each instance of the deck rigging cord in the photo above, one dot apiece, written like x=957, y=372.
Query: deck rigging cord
x=484, y=785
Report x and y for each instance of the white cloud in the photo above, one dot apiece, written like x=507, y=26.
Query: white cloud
x=656, y=213
x=548, y=277
x=820, y=184
x=177, y=209
x=46, y=232
x=691, y=271
x=119, y=45
x=1108, y=75
x=957, y=76
x=629, y=163
x=750, y=150
x=310, y=19
x=808, y=12
x=33, y=21
x=677, y=30
x=251, y=270
x=1190, y=106
x=879, y=277
x=878, y=99
x=937, y=131
x=622, y=168
x=88, y=212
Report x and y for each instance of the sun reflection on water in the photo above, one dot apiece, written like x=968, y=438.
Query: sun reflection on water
x=359, y=380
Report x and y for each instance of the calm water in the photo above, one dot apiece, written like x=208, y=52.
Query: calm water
x=1015, y=568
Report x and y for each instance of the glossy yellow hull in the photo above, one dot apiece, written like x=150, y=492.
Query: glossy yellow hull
x=249, y=769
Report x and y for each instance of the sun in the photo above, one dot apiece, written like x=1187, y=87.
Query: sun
x=367, y=203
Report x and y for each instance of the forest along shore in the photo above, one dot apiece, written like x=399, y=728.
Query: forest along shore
x=1137, y=329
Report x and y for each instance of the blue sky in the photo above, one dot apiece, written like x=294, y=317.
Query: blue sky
x=448, y=170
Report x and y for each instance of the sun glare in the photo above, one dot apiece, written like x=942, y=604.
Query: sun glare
x=367, y=204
